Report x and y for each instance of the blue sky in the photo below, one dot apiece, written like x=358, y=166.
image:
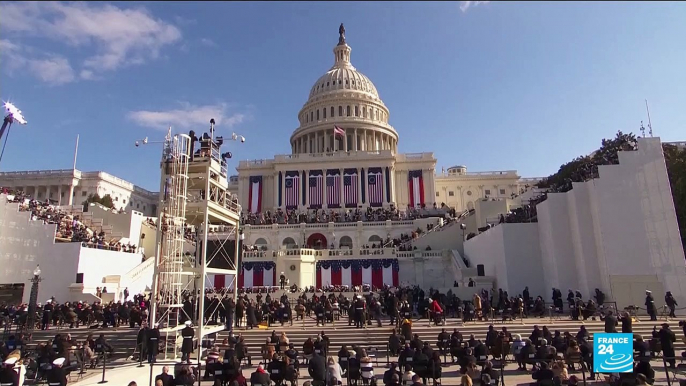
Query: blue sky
x=494, y=86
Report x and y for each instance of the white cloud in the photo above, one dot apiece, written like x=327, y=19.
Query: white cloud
x=119, y=37
x=54, y=70
x=188, y=116
x=208, y=42
x=465, y=5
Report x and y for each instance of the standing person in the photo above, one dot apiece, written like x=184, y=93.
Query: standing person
x=47, y=315
x=142, y=340
x=626, y=323
x=153, y=343
x=187, y=346
x=667, y=339
x=671, y=303
x=650, y=306
x=282, y=280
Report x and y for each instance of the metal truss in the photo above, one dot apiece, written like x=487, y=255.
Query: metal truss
x=170, y=278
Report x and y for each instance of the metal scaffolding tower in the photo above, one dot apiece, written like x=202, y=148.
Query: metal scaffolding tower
x=194, y=195
x=170, y=276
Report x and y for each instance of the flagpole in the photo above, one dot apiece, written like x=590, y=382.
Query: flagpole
x=76, y=150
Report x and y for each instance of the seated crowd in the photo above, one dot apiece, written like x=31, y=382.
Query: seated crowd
x=313, y=216
x=551, y=357
x=69, y=227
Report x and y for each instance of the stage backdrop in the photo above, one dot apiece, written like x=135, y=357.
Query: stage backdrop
x=375, y=272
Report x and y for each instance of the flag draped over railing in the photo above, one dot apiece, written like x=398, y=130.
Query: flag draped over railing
x=375, y=272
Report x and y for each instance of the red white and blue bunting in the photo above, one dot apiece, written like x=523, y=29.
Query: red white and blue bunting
x=252, y=274
x=375, y=272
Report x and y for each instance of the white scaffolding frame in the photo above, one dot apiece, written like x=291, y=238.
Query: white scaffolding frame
x=192, y=192
x=168, y=281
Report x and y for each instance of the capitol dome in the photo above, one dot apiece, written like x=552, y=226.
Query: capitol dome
x=346, y=99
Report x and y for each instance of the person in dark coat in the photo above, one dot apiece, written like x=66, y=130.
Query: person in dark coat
x=626, y=323
x=671, y=303
x=317, y=368
x=230, y=312
x=142, y=341
x=251, y=315
x=259, y=377
x=650, y=306
x=240, y=310
x=47, y=315
x=610, y=323
x=667, y=339
x=7, y=374
x=167, y=379
x=57, y=375
x=187, y=346
x=153, y=344
x=599, y=297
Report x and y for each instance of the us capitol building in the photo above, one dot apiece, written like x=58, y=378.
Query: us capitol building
x=344, y=158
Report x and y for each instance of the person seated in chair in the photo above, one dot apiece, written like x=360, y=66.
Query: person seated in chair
x=334, y=373
x=388, y=375
x=643, y=367
x=260, y=377
x=543, y=375
x=317, y=369
x=277, y=369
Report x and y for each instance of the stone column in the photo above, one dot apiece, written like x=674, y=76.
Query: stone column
x=307, y=188
x=325, y=198
x=340, y=194
x=393, y=188
x=355, y=140
x=385, y=194
x=71, y=193
x=275, y=185
x=345, y=140
x=59, y=194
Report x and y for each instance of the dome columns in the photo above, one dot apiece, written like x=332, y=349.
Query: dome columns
x=356, y=139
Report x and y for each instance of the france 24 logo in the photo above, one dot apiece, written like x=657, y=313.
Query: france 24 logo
x=613, y=353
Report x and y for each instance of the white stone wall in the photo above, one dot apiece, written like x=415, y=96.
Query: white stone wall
x=25, y=244
x=618, y=233
x=511, y=253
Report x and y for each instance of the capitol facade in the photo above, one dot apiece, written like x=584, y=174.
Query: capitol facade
x=344, y=158
x=344, y=155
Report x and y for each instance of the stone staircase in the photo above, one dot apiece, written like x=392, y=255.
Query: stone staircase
x=377, y=337
x=123, y=339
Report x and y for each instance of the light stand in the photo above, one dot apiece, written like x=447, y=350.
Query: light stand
x=13, y=114
x=33, y=301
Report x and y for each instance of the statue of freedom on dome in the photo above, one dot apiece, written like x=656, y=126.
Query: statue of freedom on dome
x=341, y=32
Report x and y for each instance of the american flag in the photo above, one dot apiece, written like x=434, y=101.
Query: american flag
x=375, y=184
x=316, y=190
x=333, y=189
x=338, y=132
x=350, y=189
x=292, y=190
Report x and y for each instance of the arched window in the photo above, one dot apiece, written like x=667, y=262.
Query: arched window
x=311, y=116
x=340, y=111
x=332, y=111
x=347, y=110
x=261, y=243
x=357, y=111
x=375, y=239
x=288, y=242
x=364, y=112
x=346, y=242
